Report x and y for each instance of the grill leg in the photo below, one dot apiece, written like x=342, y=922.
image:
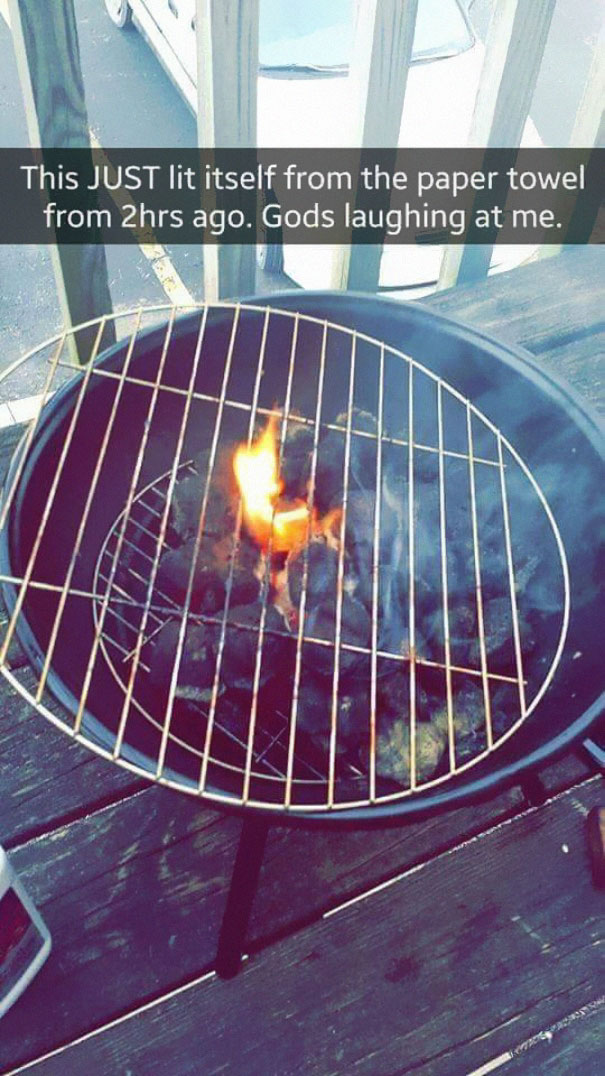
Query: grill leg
x=242, y=890
x=593, y=753
x=533, y=790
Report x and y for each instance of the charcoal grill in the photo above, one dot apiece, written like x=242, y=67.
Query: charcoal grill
x=461, y=421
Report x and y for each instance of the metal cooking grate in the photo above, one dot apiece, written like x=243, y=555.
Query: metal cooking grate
x=447, y=457
x=121, y=574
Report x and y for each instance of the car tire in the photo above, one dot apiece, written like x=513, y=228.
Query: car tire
x=119, y=12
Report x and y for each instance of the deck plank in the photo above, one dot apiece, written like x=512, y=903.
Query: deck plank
x=45, y=777
x=134, y=893
x=442, y=970
x=550, y=307
x=574, y=1044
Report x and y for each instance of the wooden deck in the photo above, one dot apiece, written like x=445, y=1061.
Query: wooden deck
x=460, y=945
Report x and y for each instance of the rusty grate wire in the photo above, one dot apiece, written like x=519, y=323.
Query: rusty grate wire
x=272, y=768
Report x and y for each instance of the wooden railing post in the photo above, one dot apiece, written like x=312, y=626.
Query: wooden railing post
x=589, y=124
x=384, y=35
x=227, y=52
x=514, y=48
x=46, y=46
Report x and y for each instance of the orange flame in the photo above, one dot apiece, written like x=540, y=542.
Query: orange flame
x=285, y=525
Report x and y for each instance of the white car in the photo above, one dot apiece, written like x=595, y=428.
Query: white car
x=304, y=100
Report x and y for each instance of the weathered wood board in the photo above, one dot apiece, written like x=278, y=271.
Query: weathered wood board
x=437, y=973
x=382, y=51
x=227, y=52
x=134, y=893
x=554, y=308
x=575, y=1043
x=46, y=778
x=45, y=38
x=514, y=48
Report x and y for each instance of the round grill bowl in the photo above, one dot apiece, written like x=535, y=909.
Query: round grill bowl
x=557, y=440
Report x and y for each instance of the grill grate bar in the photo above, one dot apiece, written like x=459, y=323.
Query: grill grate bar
x=229, y=584
x=264, y=601
x=302, y=603
x=75, y=553
x=478, y=590
x=102, y=612
x=267, y=571
x=202, y=519
x=51, y=498
x=340, y=576
x=412, y=577
x=375, y=577
x=282, y=442
x=268, y=412
x=444, y=587
x=511, y=580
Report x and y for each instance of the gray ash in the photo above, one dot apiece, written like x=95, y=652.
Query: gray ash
x=393, y=761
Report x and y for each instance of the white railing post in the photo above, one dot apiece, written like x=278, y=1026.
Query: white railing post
x=589, y=124
x=227, y=64
x=382, y=50
x=514, y=48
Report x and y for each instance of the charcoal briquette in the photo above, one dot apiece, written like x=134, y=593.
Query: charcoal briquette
x=197, y=664
x=322, y=572
x=245, y=586
x=360, y=517
x=393, y=693
x=329, y=478
x=241, y=643
x=470, y=735
x=208, y=593
x=296, y=460
x=393, y=750
x=321, y=624
x=212, y=573
x=187, y=499
x=314, y=715
x=329, y=472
